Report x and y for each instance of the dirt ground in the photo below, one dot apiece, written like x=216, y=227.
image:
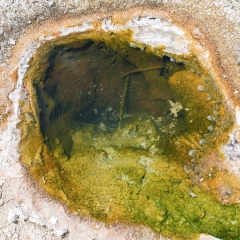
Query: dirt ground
x=25, y=211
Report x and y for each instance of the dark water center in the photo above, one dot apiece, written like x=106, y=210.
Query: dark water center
x=95, y=85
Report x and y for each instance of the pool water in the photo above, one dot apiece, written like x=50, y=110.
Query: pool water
x=122, y=130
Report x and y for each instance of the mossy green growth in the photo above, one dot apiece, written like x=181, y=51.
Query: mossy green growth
x=113, y=182
x=118, y=126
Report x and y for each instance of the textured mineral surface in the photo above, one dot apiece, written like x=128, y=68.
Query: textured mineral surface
x=154, y=150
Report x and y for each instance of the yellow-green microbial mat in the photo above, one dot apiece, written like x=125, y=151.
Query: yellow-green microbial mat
x=121, y=130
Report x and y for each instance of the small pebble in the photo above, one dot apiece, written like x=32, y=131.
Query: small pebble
x=201, y=88
x=210, y=128
x=188, y=168
x=210, y=118
x=12, y=41
x=202, y=141
x=52, y=3
x=191, y=153
x=192, y=194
